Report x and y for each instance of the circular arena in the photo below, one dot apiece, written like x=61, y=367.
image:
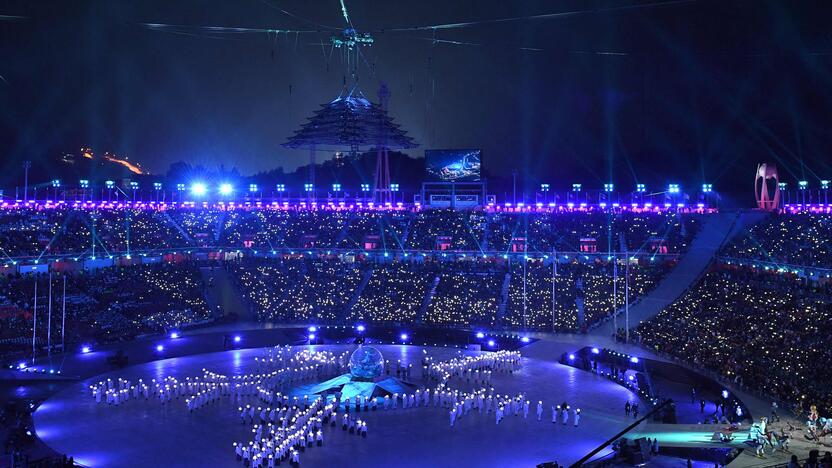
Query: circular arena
x=315, y=356
x=444, y=234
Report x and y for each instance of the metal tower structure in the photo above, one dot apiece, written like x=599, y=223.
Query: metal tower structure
x=381, y=187
x=351, y=122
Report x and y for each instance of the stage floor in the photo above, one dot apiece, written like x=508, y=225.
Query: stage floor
x=146, y=433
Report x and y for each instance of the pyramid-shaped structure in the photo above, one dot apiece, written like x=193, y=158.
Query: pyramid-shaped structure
x=350, y=121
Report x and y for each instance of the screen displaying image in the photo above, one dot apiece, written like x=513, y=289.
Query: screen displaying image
x=454, y=165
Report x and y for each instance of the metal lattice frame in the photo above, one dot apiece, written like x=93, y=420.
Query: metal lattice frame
x=352, y=121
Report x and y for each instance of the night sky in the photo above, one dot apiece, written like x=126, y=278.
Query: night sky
x=694, y=92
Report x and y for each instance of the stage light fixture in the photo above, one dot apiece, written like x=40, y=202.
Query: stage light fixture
x=199, y=189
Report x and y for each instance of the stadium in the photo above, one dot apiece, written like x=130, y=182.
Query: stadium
x=394, y=300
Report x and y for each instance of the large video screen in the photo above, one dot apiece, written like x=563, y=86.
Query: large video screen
x=453, y=165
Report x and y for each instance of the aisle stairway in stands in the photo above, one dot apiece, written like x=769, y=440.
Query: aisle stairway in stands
x=501, y=310
x=715, y=232
x=222, y=295
x=365, y=278
x=427, y=299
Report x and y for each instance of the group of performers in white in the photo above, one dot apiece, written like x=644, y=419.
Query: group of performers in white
x=284, y=426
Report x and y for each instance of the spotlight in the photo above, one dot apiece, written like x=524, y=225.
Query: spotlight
x=360, y=328
x=199, y=189
x=480, y=335
x=311, y=337
x=571, y=357
x=403, y=336
x=634, y=360
x=525, y=339
x=632, y=377
x=725, y=394
x=160, y=348
x=491, y=343
x=174, y=335
x=85, y=349
x=313, y=329
x=237, y=338
x=226, y=189
x=596, y=351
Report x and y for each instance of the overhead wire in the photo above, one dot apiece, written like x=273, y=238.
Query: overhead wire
x=562, y=14
x=297, y=17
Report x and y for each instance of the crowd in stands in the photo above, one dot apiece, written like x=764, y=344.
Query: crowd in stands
x=109, y=304
x=583, y=292
x=801, y=239
x=471, y=292
x=121, y=302
x=466, y=296
x=35, y=232
x=764, y=330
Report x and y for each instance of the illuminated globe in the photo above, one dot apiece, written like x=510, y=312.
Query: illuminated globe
x=366, y=363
